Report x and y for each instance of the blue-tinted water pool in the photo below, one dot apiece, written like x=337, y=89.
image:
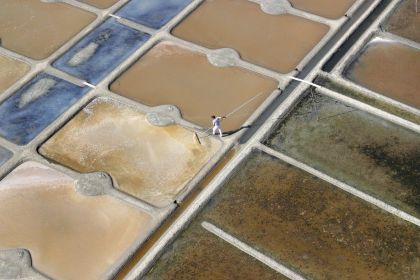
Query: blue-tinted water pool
x=97, y=54
x=154, y=13
x=36, y=105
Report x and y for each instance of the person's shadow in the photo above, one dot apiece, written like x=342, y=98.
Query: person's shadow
x=228, y=133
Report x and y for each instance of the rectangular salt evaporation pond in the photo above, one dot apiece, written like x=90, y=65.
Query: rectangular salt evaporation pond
x=101, y=51
x=302, y=222
x=199, y=255
x=275, y=42
x=404, y=21
x=101, y=4
x=170, y=74
x=149, y=162
x=326, y=8
x=153, y=14
x=69, y=235
x=11, y=70
x=36, y=28
x=389, y=68
x=365, y=151
x=35, y=106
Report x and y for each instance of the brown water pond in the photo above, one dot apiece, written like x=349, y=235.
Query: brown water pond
x=327, y=8
x=11, y=70
x=405, y=21
x=389, y=68
x=170, y=74
x=283, y=41
x=101, y=4
x=36, y=29
x=69, y=236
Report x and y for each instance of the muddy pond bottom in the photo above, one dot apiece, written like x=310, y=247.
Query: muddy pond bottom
x=363, y=150
x=300, y=221
x=149, y=162
x=389, y=68
x=199, y=255
x=69, y=235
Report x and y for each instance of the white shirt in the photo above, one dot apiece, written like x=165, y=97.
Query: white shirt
x=216, y=122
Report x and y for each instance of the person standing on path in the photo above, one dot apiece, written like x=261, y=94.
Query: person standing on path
x=216, y=125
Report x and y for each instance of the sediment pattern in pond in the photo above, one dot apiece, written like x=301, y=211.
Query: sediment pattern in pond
x=374, y=101
x=327, y=8
x=389, y=68
x=284, y=42
x=163, y=76
x=69, y=235
x=154, y=13
x=35, y=106
x=37, y=28
x=11, y=70
x=198, y=254
x=306, y=224
x=405, y=21
x=149, y=162
x=365, y=151
x=101, y=51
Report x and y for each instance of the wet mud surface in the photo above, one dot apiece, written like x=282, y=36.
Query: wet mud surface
x=149, y=162
x=370, y=100
x=35, y=106
x=326, y=8
x=405, y=21
x=389, y=68
x=163, y=76
x=154, y=13
x=283, y=40
x=101, y=51
x=11, y=70
x=69, y=236
x=371, y=154
x=37, y=29
x=311, y=226
x=198, y=254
